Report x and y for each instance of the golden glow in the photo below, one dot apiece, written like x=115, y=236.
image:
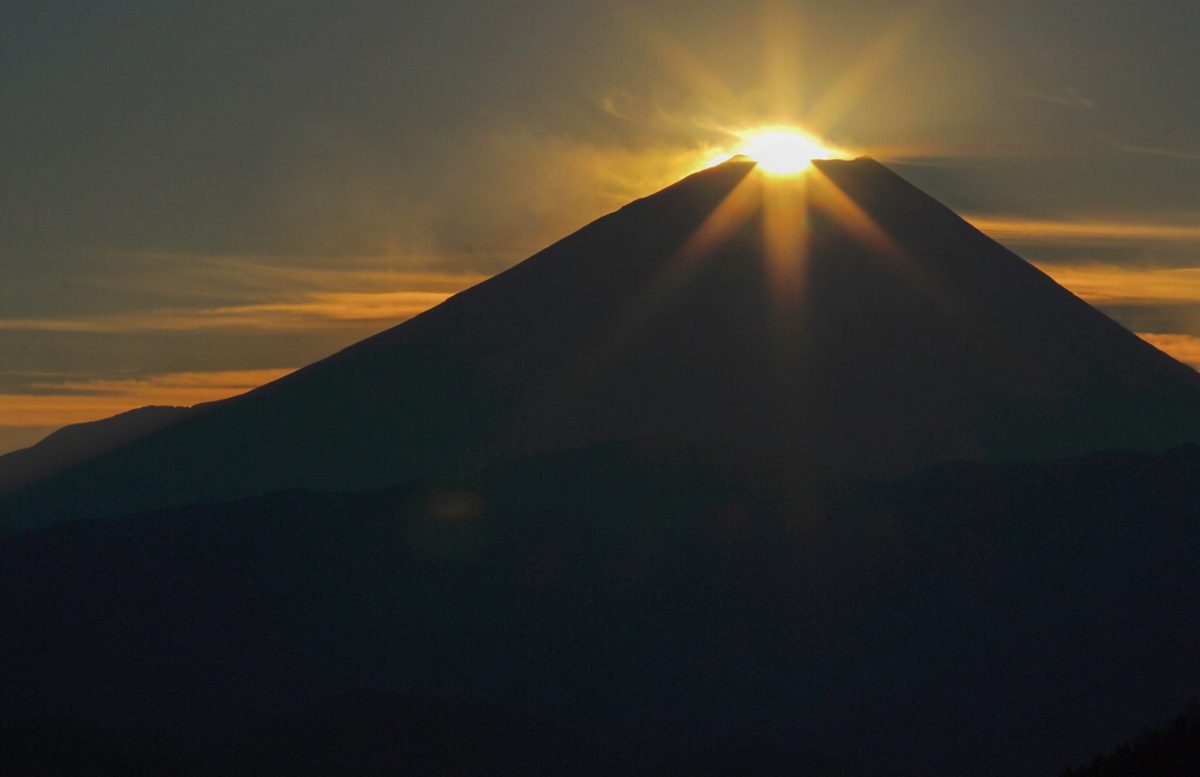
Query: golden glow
x=1184, y=348
x=72, y=401
x=1081, y=231
x=1102, y=284
x=787, y=197
x=782, y=150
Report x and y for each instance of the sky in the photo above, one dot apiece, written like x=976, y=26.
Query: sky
x=196, y=198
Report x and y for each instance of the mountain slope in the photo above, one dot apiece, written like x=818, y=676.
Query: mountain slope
x=893, y=346
x=77, y=443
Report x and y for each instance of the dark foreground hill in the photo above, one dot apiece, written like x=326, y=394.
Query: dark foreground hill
x=617, y=610
x=1170, y=750
x=841, y=322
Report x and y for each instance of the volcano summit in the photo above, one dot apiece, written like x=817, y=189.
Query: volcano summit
x=755, y=475
x=840, y=323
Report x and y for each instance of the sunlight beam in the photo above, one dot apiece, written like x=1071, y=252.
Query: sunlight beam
x=858, y=223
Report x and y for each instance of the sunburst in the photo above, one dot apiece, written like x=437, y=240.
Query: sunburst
x=784, y=150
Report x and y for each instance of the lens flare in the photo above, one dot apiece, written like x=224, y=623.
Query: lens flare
x=783, y=151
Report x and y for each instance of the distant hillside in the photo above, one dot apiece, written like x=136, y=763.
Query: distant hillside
x=664, y=605
x=1170, y=750
x=78, y=443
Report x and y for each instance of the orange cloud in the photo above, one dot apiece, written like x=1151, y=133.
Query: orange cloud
x=1050, y=230
x=74, y=401
x=1185, y=348
x=1108, y=284
x=318, y=310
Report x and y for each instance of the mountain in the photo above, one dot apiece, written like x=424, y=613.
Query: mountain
x=77, y=443
x=840, y=323
x=1171, y=750
x=619, y=610
x=755, y=475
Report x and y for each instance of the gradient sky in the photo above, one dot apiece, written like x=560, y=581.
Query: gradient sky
x=199, y=196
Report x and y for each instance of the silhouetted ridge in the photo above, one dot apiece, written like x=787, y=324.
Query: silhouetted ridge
x=1170, y=750
x=652, y=605
x=894, y=337
x=77, y=443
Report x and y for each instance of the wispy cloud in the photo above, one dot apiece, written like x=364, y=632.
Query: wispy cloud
x=1185, y=348
x=1164, y=151
x=944, y=152
x=1082, y=231
x=315, y=310
x=252, y=278
x=1107, y=284
x=83, y=398
x=1070, y=98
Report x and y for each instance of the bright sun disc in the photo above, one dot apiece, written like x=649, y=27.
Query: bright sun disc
x=783, y=151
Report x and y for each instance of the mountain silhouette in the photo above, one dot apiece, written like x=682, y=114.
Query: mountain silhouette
x=755, y=475
x=78, y=443
x=840, y=323
x=615, y=610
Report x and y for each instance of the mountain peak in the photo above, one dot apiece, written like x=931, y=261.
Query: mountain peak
x=861, y=329
x=742, y=160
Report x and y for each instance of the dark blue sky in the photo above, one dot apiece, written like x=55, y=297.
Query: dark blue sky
x=191, y=191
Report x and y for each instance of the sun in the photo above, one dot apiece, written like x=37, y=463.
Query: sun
x=783, y=150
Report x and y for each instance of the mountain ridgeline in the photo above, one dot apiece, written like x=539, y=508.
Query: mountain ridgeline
x=903, y=338
x=752, y=476
x=621, y=610
x=79, y=443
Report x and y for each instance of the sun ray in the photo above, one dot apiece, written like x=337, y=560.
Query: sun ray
x=842, y=208
x=850, y=88
x=685, y=66
x=734, y=209
x=782, y=63
x=785, y=238
x=785, y=191
x=859, y=224
x=737, y=206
